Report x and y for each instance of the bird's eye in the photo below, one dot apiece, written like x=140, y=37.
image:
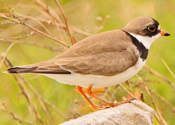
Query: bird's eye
x=152, y=28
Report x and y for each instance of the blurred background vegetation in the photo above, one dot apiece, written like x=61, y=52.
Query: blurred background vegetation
x=40, y=100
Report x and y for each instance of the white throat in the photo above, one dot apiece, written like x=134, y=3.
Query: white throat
x=146, y=40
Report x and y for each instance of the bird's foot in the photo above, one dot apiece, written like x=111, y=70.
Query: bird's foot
x=88, y=91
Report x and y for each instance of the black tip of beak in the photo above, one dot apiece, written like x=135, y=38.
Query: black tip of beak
x=164, y=33
x=167, y=34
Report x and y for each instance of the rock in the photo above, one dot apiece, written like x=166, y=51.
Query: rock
x=134, y=113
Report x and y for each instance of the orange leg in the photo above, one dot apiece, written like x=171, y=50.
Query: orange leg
x=88, y=100
x=89, y=92
x=103, y=106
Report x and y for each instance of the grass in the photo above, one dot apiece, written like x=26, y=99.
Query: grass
x=31, y=31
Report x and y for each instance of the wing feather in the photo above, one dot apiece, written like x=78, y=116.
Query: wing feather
x=106, y=64
x=107, y=53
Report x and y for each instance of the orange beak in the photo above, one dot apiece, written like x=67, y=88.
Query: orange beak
x=164, y=33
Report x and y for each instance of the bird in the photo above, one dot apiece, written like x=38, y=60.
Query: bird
x=101, y=60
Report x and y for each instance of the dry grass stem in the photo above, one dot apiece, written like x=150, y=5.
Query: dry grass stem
x=5, y=54
x=73, y=29
x=163, y=100
x=106, y=94
x=52, y=14
x=14, y=116
x=34, y=29
x=129, y=85
x=50, y=22
x=129, y=93
x=156, y=117
x=49, y=11
x=160, y=76
x=6, y=40
x=66, y=23
x=20, y=83
x=162, y=121
x=159, y=97
x=25, y=17
x=42, y=100
x=168, y=68
x=112, y=93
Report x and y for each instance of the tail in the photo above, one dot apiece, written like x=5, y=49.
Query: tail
x=37, y=70
x=21, y=70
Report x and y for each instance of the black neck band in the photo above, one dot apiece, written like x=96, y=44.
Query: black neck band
x=142, y=49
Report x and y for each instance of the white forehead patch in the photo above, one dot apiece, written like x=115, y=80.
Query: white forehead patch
x=158, y=27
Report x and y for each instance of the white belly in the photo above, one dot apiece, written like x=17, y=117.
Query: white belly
x=97, y=81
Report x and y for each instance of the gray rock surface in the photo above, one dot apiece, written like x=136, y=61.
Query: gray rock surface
x=134, y=113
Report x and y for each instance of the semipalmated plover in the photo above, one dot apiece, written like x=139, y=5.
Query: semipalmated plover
x=101, y=60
